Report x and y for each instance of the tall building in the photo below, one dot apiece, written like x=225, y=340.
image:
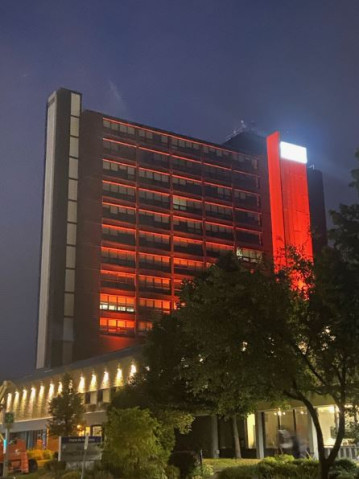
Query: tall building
x=131, y=210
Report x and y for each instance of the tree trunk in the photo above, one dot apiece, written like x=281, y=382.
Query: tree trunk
x=326, y=463
x=237, y=445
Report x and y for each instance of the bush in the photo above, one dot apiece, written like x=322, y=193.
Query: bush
x=274, y=468
x=185, y=461
x=202, y=472
x=172, y=472
x=345, y=465
x=132, y=445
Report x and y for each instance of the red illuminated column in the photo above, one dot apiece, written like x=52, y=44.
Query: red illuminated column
x=289, y=200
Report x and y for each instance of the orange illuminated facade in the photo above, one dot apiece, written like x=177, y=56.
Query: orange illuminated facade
x=131, y=211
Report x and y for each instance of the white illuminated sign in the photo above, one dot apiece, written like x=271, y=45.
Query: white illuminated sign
x=288, y=151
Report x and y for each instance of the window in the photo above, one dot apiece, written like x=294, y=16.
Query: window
x=186, y=266
x=151, y=177
x=112, y=279
x=110, y=302
x=191, y=167
x=218, y=192
x=217, y=211
x=120, y=235
x=217, y=173
x=119, y=213
x=248, y=237
x=119, y=127
x=242, y=180
x=161, y=263
x=181, y=224
x=249, y=255
x=118, y=169
x=155, y=199
x=154, y=158
x=185, y=145
x=145, y=134
x=154, y=241
x=247, y=217
x=184, y=204
x=155, y=220
x=118, y=191
x=219, y=231
x=215, y=250
x=153, y=283
x=156, y=304
x=188, y=246
x=242, y=198
x=118, y=149
x=184, y=184
x=122, y=258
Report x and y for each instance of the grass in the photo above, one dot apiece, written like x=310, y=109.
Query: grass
x=219, y=464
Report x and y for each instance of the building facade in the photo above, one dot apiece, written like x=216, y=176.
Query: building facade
x=130, y=211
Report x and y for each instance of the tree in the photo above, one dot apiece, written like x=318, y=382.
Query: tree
x=133, y=447
x=66, y=410
x=251, y=334
x=179, y=369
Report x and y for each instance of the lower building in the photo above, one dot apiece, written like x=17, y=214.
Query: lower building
x=97, y=379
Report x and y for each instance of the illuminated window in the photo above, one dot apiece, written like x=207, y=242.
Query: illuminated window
x=249, y=255
x=110, y=302
x=156, y=304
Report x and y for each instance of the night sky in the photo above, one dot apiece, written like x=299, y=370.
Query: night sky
x=197, y=67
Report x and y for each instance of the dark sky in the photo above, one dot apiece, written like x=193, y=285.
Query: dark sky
x=197, y=67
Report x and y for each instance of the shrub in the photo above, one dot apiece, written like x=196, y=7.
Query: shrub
x=345, y=465
x=185, y=461
x=172, y=472
x=274, y=468
x=202, y=472
x=132, y=445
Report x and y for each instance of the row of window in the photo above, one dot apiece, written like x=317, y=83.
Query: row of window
x=124, y=281
x=179, y=144
x=155, y=220
x=152, y=240
x=127, y=193
x=148, y=261
x=182, y=164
